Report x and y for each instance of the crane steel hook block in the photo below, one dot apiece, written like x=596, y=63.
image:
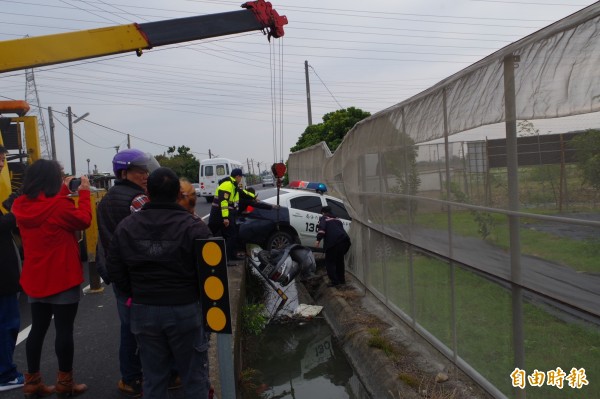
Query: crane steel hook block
x=271, y=20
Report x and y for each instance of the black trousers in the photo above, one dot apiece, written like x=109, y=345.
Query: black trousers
x=64, y=319
x=229, y=233
x=334, y=262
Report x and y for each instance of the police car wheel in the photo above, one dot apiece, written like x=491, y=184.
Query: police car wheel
x=279, y=239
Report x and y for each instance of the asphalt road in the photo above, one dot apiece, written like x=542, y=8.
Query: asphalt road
x=96, y=347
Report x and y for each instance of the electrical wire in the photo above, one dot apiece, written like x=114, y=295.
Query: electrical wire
x=79, y=8
x=324, y=85
x=81, y=138
x=168, y=96
x=536, y=4
x=121, y=10
x=65, y=114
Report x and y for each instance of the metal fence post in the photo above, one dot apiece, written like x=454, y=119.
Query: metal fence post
x=513, y=205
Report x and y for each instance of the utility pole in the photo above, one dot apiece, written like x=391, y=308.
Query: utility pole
x=52, y=144
x=71, y=141
x=308, y=94
x=128, y=141
x=71, y=137
x=209, y=154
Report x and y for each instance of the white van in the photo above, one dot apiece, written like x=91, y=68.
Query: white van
x=211, y=171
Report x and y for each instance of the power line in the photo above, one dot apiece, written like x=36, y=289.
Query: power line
x=535, y=4
x=120, y=9
x=81, y=138
x=386, y=14
x=323, y=83
x=93, y=13
x=210, y=85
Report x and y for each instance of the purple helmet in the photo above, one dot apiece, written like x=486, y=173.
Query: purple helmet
x=131, y=157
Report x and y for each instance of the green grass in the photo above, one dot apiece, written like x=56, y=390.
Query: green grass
x=379, y=342
x=484, y=327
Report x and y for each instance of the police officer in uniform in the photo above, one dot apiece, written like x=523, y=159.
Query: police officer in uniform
x=224, y=208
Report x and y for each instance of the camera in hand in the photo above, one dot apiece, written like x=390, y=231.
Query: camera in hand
x=74, y=184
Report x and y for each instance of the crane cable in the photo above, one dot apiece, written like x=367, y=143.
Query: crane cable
x=276, y=69
x=281, y=101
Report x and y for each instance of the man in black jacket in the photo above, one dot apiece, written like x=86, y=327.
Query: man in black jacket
x=128, y=194
x=151, y=259
x=10, y=378
x=337, y=243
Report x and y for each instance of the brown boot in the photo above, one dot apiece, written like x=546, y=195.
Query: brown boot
x=66, y=388
x=35, y=388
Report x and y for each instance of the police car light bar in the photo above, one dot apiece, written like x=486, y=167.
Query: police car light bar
x=307, y=185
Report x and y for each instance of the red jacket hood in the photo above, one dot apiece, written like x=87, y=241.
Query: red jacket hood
x=33, y=212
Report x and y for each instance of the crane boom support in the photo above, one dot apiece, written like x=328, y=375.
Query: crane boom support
x=39, y=51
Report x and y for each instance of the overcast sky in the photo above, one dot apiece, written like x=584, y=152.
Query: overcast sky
x=239, y=96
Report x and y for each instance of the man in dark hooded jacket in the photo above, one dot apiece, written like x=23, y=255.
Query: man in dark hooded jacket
x=152, y=260
x=337, y=243
x=128, y=194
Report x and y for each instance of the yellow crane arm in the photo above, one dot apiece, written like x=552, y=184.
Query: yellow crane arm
x=38, y=51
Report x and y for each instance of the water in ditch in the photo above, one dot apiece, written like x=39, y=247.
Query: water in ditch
x=298, y=359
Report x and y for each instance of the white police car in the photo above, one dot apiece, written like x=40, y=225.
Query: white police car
x=295, y=221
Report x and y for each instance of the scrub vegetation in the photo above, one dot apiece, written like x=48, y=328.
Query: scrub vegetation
x=251, y=384
x=379, y=342
x=254, y=319
x=254, y=313
x=253, y=322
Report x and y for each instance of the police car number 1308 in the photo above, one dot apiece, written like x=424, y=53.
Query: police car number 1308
x=312, y=227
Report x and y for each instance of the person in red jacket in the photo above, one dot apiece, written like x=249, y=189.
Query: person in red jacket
x=49, y=222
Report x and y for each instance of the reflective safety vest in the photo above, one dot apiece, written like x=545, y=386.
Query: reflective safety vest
x=227, y=196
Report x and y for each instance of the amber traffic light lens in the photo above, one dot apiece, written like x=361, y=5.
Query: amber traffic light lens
x=214, y=288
